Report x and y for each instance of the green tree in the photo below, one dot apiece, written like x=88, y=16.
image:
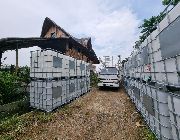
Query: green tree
x=167, y=2
x=94, y=79
x=148, y=26
x=10, y=88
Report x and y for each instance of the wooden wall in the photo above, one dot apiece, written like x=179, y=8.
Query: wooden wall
x=57, y=31
x=75, y=54
x=70, y=50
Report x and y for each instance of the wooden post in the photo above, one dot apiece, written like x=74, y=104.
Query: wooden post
x=0, y=58
x=67, y=48
x=17, y=59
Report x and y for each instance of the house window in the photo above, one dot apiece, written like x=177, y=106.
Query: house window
x=53, y=35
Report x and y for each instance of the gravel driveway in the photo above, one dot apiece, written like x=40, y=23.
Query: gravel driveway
x=100, y=114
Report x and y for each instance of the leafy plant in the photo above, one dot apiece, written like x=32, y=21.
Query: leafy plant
x=44, y=117
x=13, y=123
x=38, y=117
x=18, y=123
x=24, y=74
x=149, y=25
x=6, y=137
x=94, y=79
x=173, y=2
x=10, y=88
x=148, y=135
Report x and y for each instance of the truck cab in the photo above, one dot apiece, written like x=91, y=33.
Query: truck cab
x=109, y=77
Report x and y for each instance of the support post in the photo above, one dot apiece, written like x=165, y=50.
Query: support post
x=0, y=58
x=17, y=59
x=67, y=48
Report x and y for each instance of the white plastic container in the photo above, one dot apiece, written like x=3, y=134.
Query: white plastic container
x=55, y=79
x=72, y=66
x=174, y=110
x=175, y=12
x=49, y=64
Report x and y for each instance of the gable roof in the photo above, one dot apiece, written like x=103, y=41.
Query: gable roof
x=85, y=43
x=48, y=23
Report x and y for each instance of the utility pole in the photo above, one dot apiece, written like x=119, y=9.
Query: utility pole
x=106, y=59
x=112, y=61
x=119, y=62
x=103, y=63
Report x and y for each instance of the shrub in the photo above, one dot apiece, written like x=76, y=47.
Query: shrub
x=94, y=79
x=24, y=74
x=10, y=124
x=10, y=88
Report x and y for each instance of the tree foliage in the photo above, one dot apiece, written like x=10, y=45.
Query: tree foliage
x=149, y=25
x=9, y=88
x=12, y=86
x=167, y=2
x=94, y=79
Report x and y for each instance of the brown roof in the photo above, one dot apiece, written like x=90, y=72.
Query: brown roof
x=48, y=23
x=83, y=42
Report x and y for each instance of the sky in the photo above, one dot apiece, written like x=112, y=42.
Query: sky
x=112, y=24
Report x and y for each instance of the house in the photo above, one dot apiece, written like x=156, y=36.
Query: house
x=53, y=37
x=77, y=48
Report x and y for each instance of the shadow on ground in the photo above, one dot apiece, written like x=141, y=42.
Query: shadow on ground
x=112, y=89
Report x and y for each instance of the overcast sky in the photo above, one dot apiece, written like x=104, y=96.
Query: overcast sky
x=112, y=24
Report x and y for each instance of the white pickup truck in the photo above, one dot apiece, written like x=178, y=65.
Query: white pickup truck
x=109, y=77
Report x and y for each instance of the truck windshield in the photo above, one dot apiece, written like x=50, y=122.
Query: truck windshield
x=109, y=71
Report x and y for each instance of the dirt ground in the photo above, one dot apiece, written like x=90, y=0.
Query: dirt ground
x=100, y=114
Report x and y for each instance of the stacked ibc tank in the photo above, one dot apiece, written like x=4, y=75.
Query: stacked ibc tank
x=152, y=77
x=56, y=79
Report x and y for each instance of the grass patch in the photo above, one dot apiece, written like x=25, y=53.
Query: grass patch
x=67, y=110
x=44, y=117
x=14, y=109
x=38, y=117
x=144, y=131
x=6, y=137
x=147, y=134
x=14, y=123
x=11, y=127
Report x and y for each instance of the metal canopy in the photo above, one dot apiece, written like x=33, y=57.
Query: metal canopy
x=58, y=44
x=13, y=43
